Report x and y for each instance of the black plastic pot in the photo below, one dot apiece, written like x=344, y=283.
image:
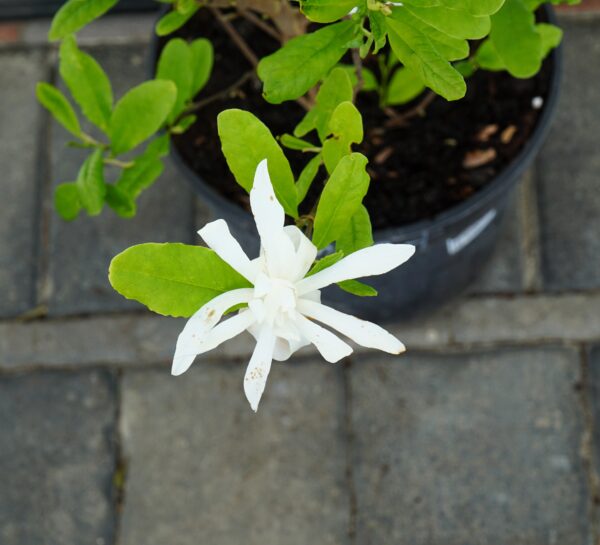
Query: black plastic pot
x=452, y=248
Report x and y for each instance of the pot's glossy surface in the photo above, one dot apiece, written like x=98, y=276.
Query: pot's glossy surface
x=452, y=248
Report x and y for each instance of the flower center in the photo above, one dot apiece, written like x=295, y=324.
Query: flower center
x=274, y=300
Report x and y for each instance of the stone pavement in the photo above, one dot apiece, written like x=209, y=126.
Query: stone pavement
x=484, y=433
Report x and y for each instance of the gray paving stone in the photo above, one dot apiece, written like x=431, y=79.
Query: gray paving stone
x=203, y=468
x=81, y=251
x=569, y=167
x=594, y=398
x=19, y=125
x=503, y=273
x=56, y=459
x=469, y=449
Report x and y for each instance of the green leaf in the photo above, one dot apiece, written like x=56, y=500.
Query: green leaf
x=340, y=199
x=66, y=201
x=307, y=176
x=58, y=105
x=369, y=79
x=202, y=64
x=90, y=183
x=172, y=21
x=477, y=7
x=346, y=129
x=404, y=86
x=551, y=37
x=326, y=11
x=299, y=65
x=416, y=51
x=174, y=64
x=87, y=82
x=324, y=262
x=358, y=288
x=172, y=279
x=184, y=124
x=246, y=141
x=140, y=113
x=335, y=89
x=358, y=233
x=516, y=40
x=75, y=14
x=298, y=144
x=120, y=201
x=452, y=21
x=146, y=168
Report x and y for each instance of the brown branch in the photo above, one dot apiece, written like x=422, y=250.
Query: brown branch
x=359, y=70
x=235, y=36
x=419, y=110
x=225, y=93
x=259, y=23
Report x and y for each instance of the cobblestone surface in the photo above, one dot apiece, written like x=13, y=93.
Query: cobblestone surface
x=19, y=123
x=474, y=448
x=569, y=167
x=274, y=477
x=57, y=458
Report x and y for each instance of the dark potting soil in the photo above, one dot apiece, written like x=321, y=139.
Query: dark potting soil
x=420, y=165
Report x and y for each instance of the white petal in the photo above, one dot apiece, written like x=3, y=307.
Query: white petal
x=331, y=347
x=306, y=252
x=218, y=237
x=259, y=367
x=209, y=341
x=370, y=261
x=360, y=331
x=269, y=218
x=191, y=340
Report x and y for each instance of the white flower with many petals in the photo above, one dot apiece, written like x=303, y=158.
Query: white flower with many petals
x=283, y=305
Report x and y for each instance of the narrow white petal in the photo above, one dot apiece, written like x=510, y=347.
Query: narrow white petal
x=332, y=348
x=191, y=339
x=210, y=340
x=218, y=237
x=370, y=261
x=306, y=252
x=259, y=367
x=360, y=331
x=269, y=218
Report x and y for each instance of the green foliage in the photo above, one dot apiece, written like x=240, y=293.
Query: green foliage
x=172, y=279
x=405, y=85
x=66, y=201
x=246, y=141
x=87, y=82
x=326, y=261
x=303, y=61
x=75, y=14
x=356, y=287
x=357, y=234
x=175, y=19
x=345, y=128
x=307, y=176
x=335, y=89
x=340, y=199
x=140, y=113
x=90, y=183
x=58, y=105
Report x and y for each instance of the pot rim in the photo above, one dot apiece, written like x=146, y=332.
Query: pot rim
x=501, y=183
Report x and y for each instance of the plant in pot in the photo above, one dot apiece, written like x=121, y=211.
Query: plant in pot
x=403, y=124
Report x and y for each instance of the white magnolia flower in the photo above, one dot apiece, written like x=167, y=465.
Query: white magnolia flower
x=283, y=304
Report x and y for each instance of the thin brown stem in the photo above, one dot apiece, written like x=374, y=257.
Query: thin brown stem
x=225, y=93
x=259, y=23
x=358, y=65
x=235, y=37
x=419, y=110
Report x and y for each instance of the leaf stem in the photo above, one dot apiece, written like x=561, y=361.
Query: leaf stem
x=117, y=163
x=259, y=23
x=398, y=120
x=235, y=37
x=225, y=93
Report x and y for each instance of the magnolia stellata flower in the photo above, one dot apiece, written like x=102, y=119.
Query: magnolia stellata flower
x=283, y=305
